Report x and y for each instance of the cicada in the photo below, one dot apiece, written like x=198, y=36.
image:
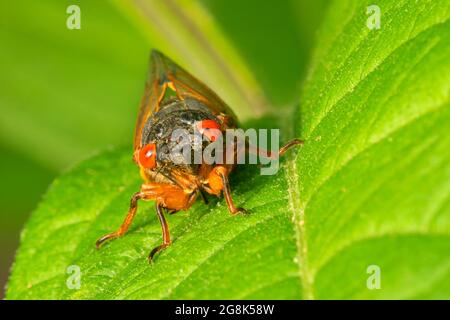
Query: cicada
x=175, y=99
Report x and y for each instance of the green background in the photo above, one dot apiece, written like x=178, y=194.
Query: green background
x=67, y=94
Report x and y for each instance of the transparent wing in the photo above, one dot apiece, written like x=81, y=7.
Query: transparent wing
x=163, y=72
x=154, y=89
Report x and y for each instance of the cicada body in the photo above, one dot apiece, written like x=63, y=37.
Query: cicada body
x=173, y=102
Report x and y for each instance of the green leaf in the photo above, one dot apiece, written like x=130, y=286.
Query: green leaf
x=369, y=189
x=372, y=184
x=92, y=200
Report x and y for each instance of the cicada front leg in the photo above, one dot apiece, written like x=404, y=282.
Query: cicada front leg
x=289, y=145
x=126, y=223
x=165, y=233
x=166, y=196
x=270, y=154
x=218, y=182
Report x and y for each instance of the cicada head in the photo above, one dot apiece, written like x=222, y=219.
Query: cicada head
x=175, y=107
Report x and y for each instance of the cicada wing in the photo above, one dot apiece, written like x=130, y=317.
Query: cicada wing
x=187, y=86
x=155, y=87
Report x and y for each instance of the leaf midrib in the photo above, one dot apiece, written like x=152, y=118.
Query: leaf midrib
x=298, y=219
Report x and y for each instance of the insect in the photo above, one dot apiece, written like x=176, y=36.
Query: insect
x=175, y=99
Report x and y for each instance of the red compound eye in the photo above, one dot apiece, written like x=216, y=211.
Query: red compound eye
x=210, y=129
x=147, y=156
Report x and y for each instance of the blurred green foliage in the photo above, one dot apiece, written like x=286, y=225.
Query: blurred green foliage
x=65, y=94
x=68, y=92
x=275, y=38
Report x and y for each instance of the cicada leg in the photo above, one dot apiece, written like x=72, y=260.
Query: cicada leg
x=171, y=211
x=290, y=144
x=218, y=177
x=165, y=233
x=269, y=154
x=218, y=181
x=166, y=196
x=204, y=198
x=126, y=223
